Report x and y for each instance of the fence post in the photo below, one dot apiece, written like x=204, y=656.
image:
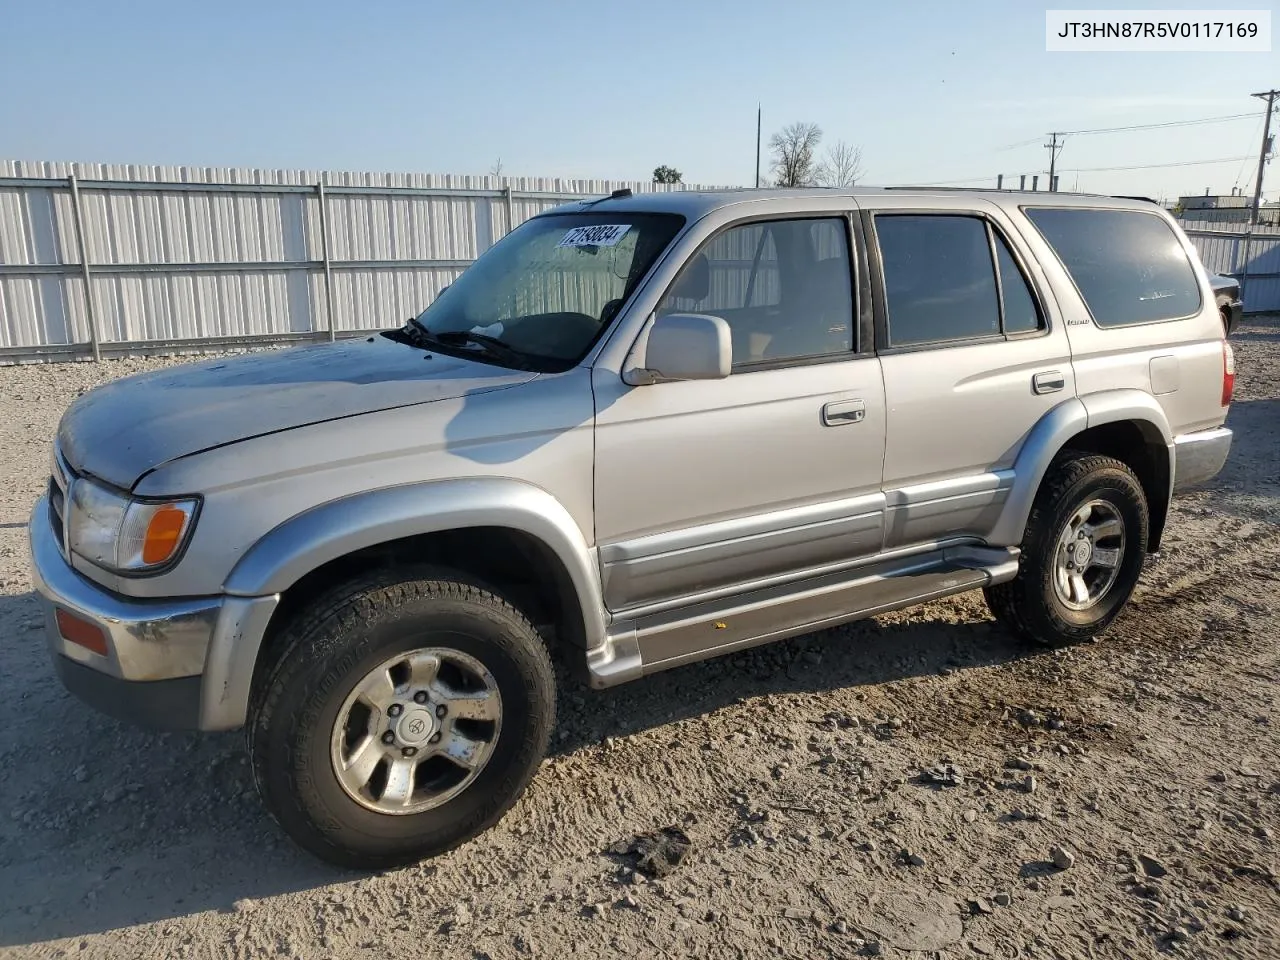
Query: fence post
x=324, y=253
x=1241, y=265
x=84, y=268
x=511, y=216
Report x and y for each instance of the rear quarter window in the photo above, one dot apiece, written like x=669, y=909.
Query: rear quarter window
x=1128, y=265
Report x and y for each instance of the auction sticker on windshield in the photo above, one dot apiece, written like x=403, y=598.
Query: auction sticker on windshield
x=597, y=235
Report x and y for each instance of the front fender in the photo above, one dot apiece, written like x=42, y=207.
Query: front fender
x=332, y=530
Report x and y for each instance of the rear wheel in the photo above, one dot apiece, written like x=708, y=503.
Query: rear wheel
x=401, y=718
x=1082, y=552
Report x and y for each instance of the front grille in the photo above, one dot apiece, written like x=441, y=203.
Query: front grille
x=59, y=484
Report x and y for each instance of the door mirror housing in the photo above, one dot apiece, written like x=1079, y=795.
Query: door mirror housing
x=685, y=346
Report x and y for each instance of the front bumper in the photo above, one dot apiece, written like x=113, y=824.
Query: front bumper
x=172, y=664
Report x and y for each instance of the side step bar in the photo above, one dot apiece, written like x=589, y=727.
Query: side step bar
x=650, y=644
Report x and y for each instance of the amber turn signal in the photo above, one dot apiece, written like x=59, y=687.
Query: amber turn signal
x=81, y=632
x=164, y=533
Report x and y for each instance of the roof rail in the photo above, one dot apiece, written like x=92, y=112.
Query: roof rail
x=956, y=189
x=1120, y=196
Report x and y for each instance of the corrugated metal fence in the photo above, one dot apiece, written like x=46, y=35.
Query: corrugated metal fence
x=1250, y=254
x=122, y=259
x=97, y=258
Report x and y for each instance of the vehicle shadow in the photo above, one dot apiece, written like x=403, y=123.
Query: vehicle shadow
x=119, y=826
x=103, y=825
x=866, y=653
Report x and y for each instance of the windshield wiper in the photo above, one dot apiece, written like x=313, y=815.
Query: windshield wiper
x=487, y=344
x=415, y=333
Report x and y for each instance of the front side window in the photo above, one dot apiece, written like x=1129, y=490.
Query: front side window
x=951, y=278
x=1128, y=265
x=784, y=287
x=542, y=295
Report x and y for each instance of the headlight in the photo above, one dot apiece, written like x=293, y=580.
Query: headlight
x=126, y=535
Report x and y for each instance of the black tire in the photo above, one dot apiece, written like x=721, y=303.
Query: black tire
x=1225, y=313
x=1029, y=605
x=324, y=653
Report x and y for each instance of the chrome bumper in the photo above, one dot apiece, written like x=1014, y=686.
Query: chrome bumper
x=149, y=642
x=1199, y=456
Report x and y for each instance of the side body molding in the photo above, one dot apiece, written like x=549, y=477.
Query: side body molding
x=1051, y=434
x=332, y=530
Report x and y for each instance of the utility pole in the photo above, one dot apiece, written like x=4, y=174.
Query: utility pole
x=757, y=183
x=1054, y=147
x=1270, y=97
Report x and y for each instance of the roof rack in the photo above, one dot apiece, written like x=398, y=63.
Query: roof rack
x=972, y=189
x=957, y=189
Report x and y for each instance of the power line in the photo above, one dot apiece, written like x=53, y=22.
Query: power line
x=1141, y=166
x=1020, y=143
x=1153, y=166
x=1256, y=131
x=1156, y=126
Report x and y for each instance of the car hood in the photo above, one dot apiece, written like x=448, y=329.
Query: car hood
x=121, y=431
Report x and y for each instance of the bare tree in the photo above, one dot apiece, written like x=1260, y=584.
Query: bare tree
x=665, y=174
x=496, y=169
x=793, y=149
x=840, y=167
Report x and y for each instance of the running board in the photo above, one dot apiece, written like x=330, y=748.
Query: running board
x=646, y=645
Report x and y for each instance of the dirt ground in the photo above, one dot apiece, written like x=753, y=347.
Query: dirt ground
x=1149, y=757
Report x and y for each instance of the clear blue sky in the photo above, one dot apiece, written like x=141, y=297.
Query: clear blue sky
x=931, y=91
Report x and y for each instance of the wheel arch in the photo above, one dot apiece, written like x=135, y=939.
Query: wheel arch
x=1128, y=425
x=511, y=535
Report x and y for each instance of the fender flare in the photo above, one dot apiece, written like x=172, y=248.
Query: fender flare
x=331, y=530
x=1051, y=434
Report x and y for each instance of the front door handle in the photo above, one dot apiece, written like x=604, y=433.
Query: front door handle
x=1050, y=381
x=840, y=412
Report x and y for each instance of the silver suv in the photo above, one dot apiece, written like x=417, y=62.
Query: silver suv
x=639, y=431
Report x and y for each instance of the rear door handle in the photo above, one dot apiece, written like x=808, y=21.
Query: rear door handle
x=1048, y=382
x=840, y=412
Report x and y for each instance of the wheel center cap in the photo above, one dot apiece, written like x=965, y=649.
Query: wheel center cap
x=1084, y=550
x=415, y=727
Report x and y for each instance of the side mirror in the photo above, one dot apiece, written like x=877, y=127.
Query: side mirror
x=686, y=346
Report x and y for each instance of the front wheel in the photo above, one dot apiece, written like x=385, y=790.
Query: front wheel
x=401, y=718
x=1082, y=552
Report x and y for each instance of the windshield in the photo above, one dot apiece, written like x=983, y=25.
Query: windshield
x=548, y=288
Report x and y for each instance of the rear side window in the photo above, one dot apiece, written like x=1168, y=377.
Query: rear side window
x=1021, y=314
x=1128, y=265
x=941, y=281
x=938, y=278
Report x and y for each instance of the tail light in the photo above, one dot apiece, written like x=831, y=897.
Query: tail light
x=1228, y=373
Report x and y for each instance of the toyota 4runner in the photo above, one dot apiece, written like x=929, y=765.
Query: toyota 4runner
x=642, y=431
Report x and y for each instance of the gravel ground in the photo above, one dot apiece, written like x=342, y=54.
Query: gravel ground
x=1118, y=799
